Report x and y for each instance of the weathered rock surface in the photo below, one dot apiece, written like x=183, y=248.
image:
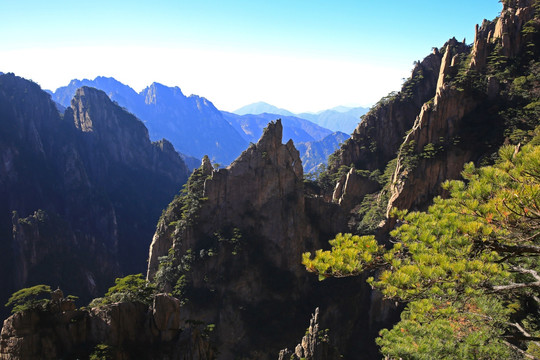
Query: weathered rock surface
x=514, y=16
x=239, y=284
x=129, y=330
x=463, y=123
x=314, y=345
x=85, y=187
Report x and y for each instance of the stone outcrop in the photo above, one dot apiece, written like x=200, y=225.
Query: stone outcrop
x=244, y=247
x=508, y=30
x=452, y=50
x=463, y=123
x=483, y=37
x=77, y=190
x=417, y=180
x=351, y=189
x=314, y=345
x=128, y=330
x=266, y=179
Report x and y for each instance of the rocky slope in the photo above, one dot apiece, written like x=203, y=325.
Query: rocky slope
x=77, y=190
x=120, y=331
x=460, y=104
x=243, y=243
x=465, y=122
x=192, y=123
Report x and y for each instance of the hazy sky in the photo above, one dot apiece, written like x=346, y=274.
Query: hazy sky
x=296, y=54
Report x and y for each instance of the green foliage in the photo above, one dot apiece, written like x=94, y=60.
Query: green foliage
x=372, y=210
x=234, y=239
x=350, y=254
x=410, y=85
x=436, y=330
x=172, y=273
x=102, y=352
x=132, y=288
x=523, y=111
x=35, y=297
x=467, y=267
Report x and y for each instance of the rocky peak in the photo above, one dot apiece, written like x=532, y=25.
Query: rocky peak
x=452, y=50
x=206, y=166
x=157, y=92
x=515, y=14
x=483, y=36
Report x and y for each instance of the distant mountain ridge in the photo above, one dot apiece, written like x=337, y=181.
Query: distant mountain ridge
x=196, y=127
x=340, y=118
x=316, y=153
x=299, y=130
x=192, y=124
x=260, y=108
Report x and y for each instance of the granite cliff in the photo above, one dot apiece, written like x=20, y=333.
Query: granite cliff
x=244, y=243
x=78, y=189
x=127, y=330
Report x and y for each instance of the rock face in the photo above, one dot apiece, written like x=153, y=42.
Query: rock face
x=244, y=249
x=77, y=190
x=314, y=345
x=463, y=123
x=125, y=330
x=265, y=178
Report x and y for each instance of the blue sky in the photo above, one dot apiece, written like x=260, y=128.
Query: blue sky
x=296, y=54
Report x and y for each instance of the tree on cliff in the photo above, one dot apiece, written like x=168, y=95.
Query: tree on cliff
x=467, y=268
x=29, y=298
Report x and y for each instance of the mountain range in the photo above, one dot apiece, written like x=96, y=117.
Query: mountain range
x=195, y=127
x=341, y=118
x=192, y=124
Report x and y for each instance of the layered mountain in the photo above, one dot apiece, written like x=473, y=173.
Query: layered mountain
x=298, y=130
x=343, y=119
x=316, y=153
x=192, y=123
x=260, y=108
x=81, y=192
x=460, y=104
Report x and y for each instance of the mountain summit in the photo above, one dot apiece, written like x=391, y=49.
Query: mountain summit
x=192, y=124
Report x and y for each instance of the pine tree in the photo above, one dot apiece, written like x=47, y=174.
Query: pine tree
x=467, y=268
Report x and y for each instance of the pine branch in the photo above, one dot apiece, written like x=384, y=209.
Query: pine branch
x=522, y=352
x=514, y=286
